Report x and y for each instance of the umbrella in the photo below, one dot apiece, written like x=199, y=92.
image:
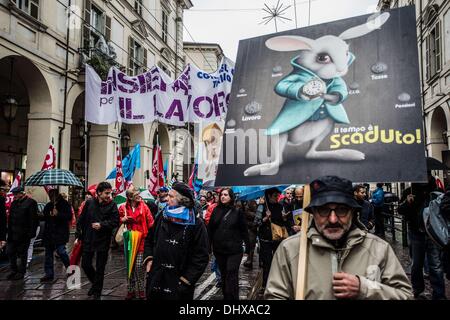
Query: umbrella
x=53, y=177
x=292, y=186
x=434, y=164
x=258, y=192
x=209, y=185
x=145, y=194
x=133, y=245
x=126, y=248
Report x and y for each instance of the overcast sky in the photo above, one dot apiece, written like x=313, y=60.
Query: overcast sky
x=227, y=21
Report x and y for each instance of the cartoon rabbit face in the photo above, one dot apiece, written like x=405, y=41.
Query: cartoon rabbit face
x=327, y=56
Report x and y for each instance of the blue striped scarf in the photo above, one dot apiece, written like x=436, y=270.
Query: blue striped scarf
x=179, y=215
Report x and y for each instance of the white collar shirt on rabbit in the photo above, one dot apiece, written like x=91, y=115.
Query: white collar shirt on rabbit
x=296, y=110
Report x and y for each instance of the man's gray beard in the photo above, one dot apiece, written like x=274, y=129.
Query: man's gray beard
x=345, y=230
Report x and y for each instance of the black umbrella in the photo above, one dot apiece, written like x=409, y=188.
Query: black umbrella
x=434, y=164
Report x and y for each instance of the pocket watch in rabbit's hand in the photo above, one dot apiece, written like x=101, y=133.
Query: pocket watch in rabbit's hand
x=313, y=89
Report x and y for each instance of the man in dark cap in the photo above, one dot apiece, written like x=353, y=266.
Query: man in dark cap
x=176, y=248
x=161, y=202
x=344, y=260
x=21, y=228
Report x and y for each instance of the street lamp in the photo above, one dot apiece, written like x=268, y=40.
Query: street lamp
x=124, y=140
x=10, y=104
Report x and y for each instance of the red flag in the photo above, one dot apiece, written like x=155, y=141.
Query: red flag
x=49, y=163
x=157, y=175
x=192, y=177
x=120, y=185
x=9, y=195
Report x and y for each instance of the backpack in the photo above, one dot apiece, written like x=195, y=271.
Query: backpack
x=437, y=225
x=378, y=197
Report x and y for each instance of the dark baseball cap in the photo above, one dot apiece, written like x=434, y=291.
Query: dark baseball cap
x=163, y=189
x=331, y=189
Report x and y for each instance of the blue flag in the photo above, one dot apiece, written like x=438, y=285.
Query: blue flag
x=129, y=164
x=166, y=165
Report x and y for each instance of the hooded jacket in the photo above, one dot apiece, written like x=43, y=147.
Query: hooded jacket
x=364, y=255
x=140, y=220
x=296, y=110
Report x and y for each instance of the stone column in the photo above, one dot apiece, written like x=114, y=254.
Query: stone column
x=102, y=152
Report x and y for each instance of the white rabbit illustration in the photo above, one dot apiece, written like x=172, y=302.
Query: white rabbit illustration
x=315, y=92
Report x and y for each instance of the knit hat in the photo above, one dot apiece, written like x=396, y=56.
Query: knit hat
x=183, y=189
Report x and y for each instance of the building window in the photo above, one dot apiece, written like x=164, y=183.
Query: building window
x=31, y=7
x=138, y=6
x=433, y=51
x=165, y=25
x=137, y=62
x=97, y=24
x=447, y=36
x=164, y=68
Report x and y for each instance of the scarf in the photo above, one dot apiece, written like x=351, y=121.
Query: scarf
x=179, y=215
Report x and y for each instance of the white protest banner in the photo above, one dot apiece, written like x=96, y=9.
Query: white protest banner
x=154, y=96
x=172, y=99
x=100, y=102
x=210, y=92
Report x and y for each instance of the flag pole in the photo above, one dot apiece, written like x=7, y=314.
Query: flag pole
x=156, y=153
x=86, y=184
x=303, y=248
x=189, y=146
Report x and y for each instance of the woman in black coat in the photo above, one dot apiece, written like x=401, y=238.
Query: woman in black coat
x=57, y=217
x=176, y=248
x=227, y=230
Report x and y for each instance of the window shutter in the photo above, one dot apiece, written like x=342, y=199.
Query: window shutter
x=130, y=55
x=144, y=65
x=108, y=28
x=438, y=46
x=86, y=25
x=427, y=56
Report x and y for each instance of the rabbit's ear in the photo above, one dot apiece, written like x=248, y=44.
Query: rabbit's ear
x=289, y=43
x=373, y=22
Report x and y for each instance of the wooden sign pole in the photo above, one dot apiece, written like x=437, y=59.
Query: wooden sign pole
x=303, y=248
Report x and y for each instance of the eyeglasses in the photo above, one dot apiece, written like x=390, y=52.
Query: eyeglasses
x=340, y=211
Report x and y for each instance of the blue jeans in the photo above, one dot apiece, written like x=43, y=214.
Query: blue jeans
x=61, y=251
x=421, y=246
x=215, y=269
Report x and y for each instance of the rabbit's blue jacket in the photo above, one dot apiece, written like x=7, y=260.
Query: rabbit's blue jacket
x=296, y=110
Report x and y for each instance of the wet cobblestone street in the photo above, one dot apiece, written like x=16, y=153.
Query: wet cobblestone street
x=115, y=285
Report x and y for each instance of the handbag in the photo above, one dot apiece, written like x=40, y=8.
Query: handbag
x=119, y=234
x=278, y=232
